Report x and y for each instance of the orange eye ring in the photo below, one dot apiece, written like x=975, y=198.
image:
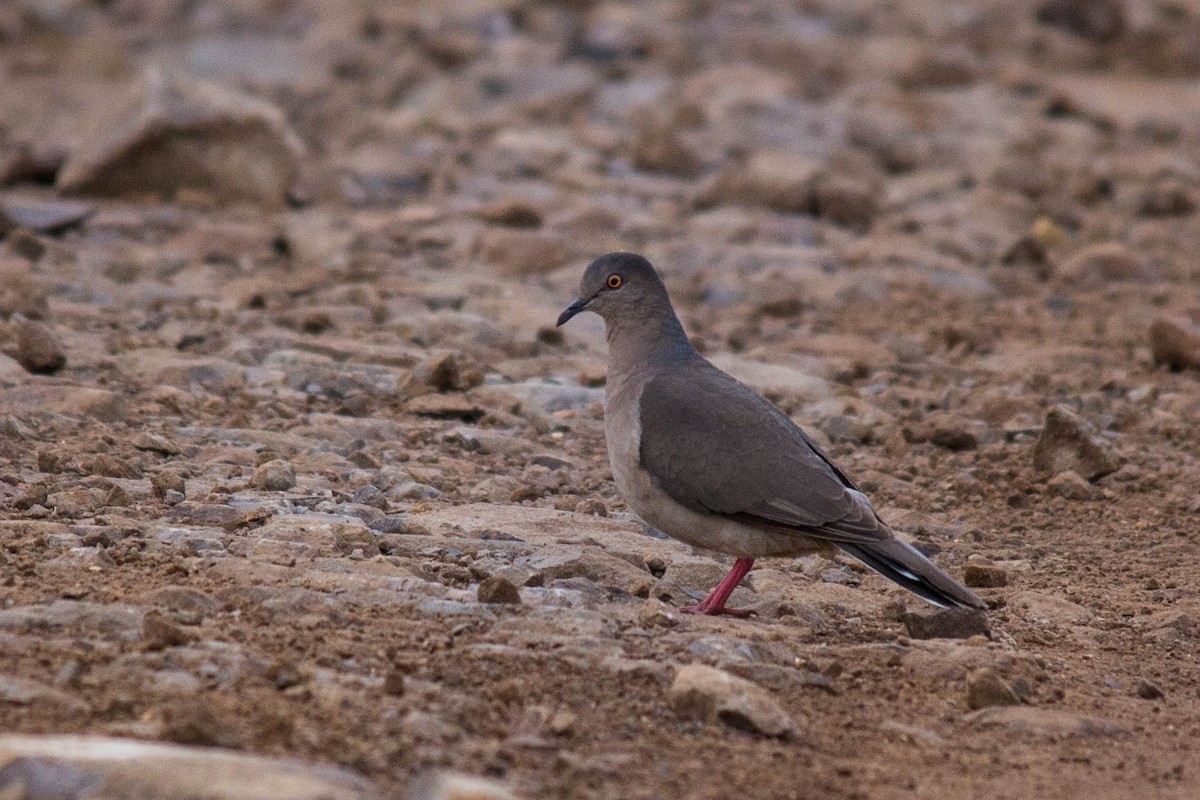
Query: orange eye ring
x=614, y=281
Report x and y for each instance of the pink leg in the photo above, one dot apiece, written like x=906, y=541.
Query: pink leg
x=715, y=602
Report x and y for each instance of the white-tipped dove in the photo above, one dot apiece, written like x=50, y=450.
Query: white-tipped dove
x=712, y=463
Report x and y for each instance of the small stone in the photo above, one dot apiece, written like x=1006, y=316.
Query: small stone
x=775, y=179
x=393, y=683
x=985, y=688
x=1148, y=689
x=984, y=576
x=446, y=406
x=562, y=724
x=370, y=496
x=1110, y=261
x=274, y=476
x=514, y=253
x=657, y=147
x=948, y=623
x=590, y=505
x=706, y=692
x=159, y=632
x=1072, y=486
x=167, y=481
x=1175, y=341
x=1167, y=198
x=847, y=202
x=456, y=786
x=1069, y=443
x=497, y=589
x=1097, y=20
x=110, y=466
x=38, y=349
x=512, y=212
x=654, y=613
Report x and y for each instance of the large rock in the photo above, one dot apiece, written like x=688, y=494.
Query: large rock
x=168, y=139
x=124, y=769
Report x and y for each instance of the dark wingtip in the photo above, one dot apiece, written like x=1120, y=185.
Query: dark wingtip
x=904, y=565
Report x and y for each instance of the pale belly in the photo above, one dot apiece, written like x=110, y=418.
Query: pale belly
x=708, y=531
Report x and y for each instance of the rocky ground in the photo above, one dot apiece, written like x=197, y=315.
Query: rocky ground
x=294, y=463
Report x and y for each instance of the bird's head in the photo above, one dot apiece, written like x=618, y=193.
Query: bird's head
x=616, y=284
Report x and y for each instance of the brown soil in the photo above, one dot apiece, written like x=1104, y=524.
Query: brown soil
x=1000, y=204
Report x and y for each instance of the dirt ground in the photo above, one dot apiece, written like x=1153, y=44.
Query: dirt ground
x=297, y=427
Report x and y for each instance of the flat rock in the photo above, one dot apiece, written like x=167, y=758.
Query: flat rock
x=1068, y=442
x=70, y=401
x=1107, y=262
x=1049, y=722
x=707, y=692
x=1045, y=608
x=75, y=618
x=168, y=139
x=46, y=216
x=125, y=769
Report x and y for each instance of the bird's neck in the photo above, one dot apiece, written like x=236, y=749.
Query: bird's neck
x=648, y=340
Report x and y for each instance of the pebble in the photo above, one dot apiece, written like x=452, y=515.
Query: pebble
x=38, y=349
x=985, y=688
x=1107, y=262
x=847, y=202
x=703, y=692
x=1047, y=722
x=1071, y=486
x=1175, y=342
x=274, y=476
x=984, y=575
x=1070, y=443
x=497, y=589
x=513, y=252
x=947, y=623
x=1148, y=689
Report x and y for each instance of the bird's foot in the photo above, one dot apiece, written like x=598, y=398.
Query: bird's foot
x=716, y=611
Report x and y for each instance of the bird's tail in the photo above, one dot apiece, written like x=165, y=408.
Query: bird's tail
x=901, y=563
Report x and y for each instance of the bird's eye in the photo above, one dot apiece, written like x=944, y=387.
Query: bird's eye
x=614, y=281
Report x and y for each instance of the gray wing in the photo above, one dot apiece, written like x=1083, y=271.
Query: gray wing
x=718, y=447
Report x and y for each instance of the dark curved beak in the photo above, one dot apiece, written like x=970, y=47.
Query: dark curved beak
x=571, y=310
